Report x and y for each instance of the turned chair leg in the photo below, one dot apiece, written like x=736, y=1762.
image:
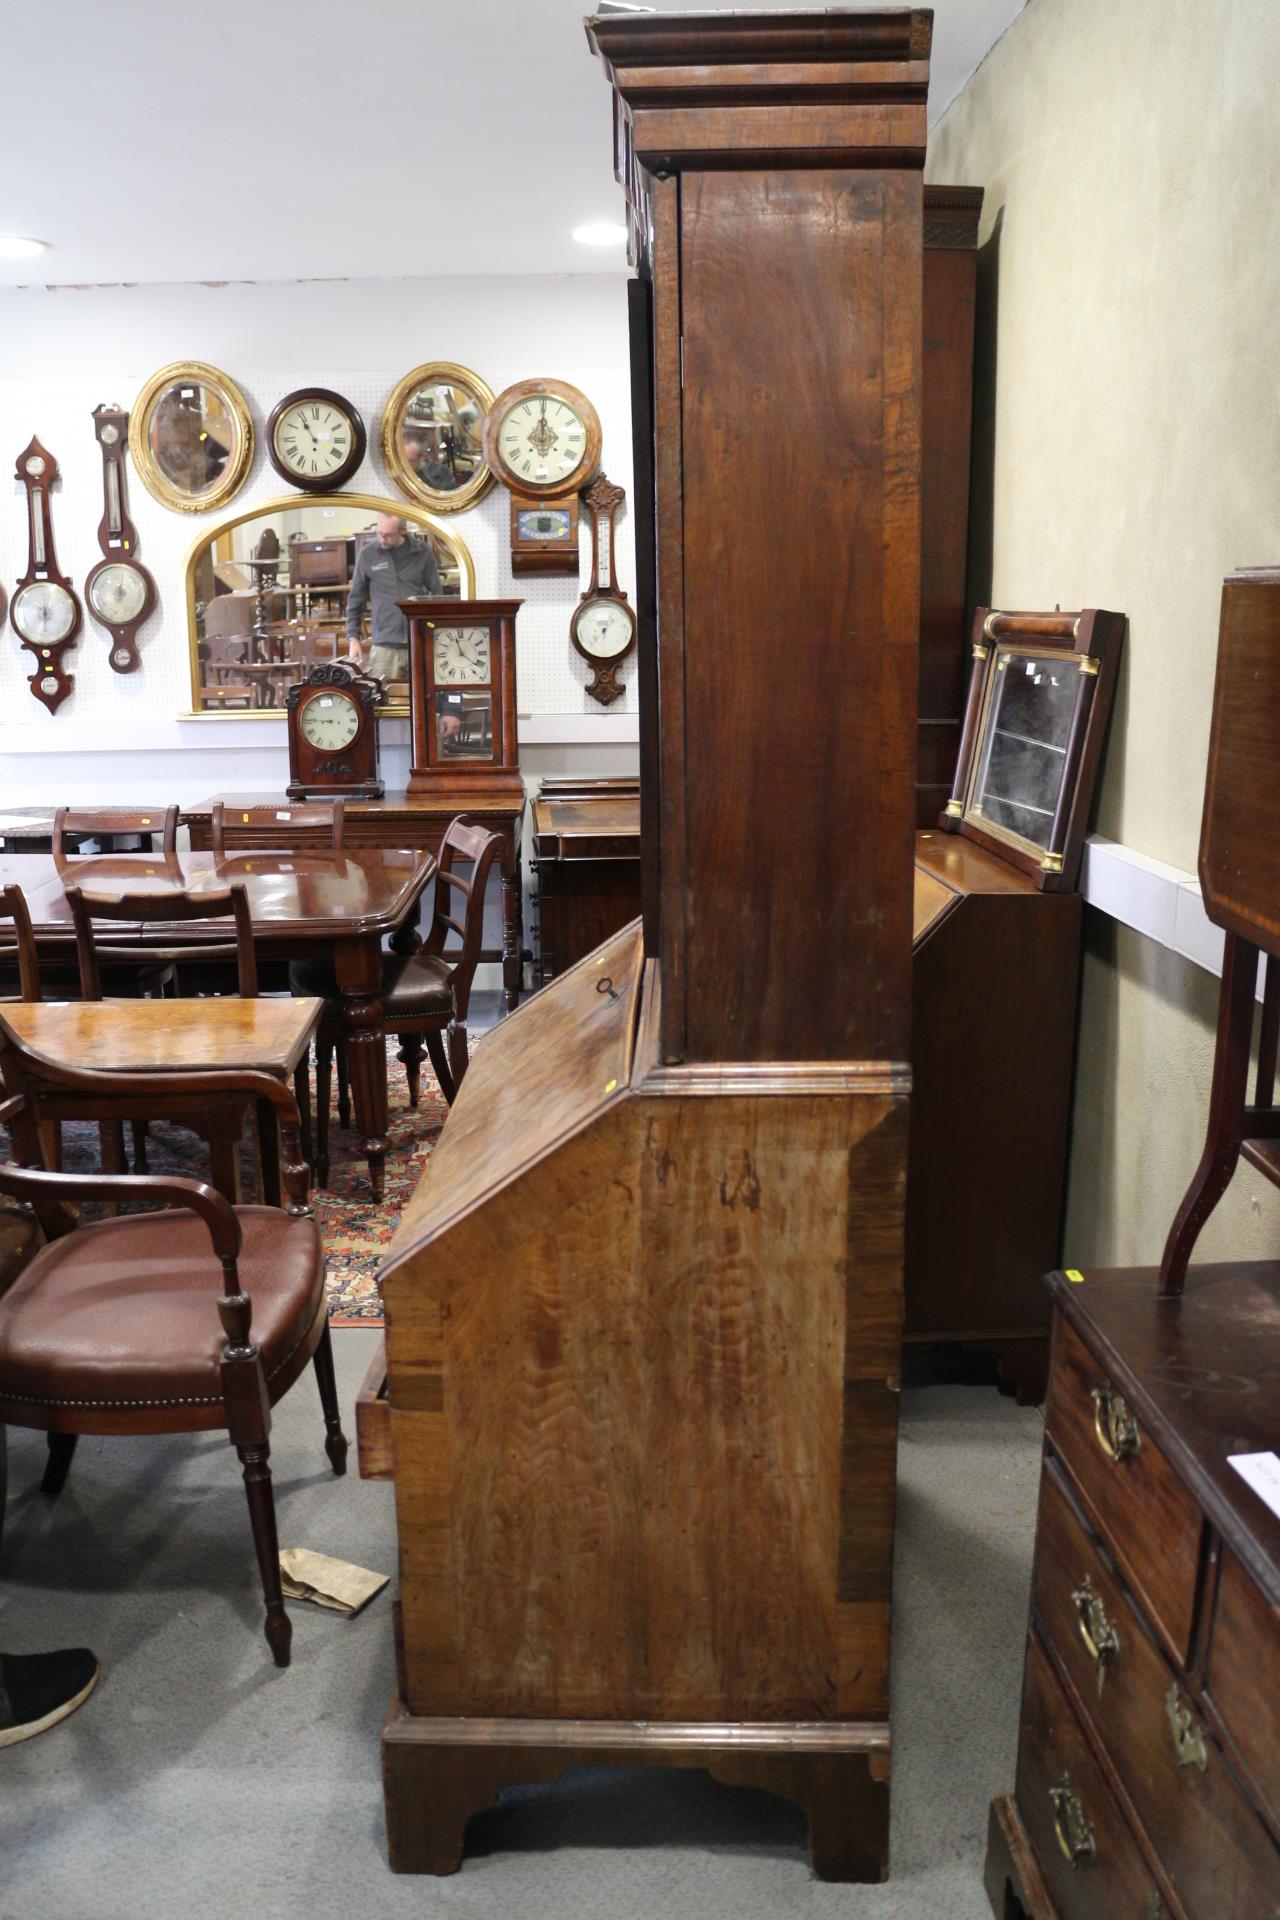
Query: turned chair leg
x=344, y=1085
x=256, y=1461
x=61, y=1447
x=409, y=1053
x=302, y=1094
x=324, y=1086
x=439, y=1060
x=459, y=1052
x=335, y=1443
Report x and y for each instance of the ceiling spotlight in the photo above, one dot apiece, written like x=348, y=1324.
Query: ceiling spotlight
x=600, y=233
x=12, y=247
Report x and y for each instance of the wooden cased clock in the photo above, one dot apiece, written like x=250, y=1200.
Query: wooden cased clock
x=544, y=534
x=333, y=733
x=462, y=691
x=315, y=439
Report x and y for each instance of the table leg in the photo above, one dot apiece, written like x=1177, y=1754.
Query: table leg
x=223, y=1135
x=512, y=924
x=358, y=966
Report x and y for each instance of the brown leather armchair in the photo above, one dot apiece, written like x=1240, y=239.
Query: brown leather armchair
x=197, y=1317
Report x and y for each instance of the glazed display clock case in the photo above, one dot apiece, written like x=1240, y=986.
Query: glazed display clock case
x=462, y=697
x=644, y=1309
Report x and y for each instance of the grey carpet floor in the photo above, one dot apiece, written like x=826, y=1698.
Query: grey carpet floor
x=200, y=1781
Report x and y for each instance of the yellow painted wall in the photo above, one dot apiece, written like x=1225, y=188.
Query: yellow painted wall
x=1128, y=437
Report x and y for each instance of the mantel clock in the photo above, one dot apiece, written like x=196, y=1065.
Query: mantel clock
x=120, y=591
x=603, y=628
x=333, y=733
x=45, y=613
x=462, y=692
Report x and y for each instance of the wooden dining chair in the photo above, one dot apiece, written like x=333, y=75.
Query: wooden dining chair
x=315, y=826
x=97, y=822
x=19, y=965
x=194, y=1318
x=238, y=963
x=426, y=994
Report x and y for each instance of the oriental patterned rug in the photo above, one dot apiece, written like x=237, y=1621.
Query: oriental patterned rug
x=355, y=1229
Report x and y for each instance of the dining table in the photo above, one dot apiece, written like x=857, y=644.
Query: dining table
x=303, y=905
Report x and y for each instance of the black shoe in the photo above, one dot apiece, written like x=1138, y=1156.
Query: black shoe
x=39, y=1689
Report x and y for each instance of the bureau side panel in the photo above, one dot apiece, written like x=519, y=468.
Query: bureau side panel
x=638, y=1457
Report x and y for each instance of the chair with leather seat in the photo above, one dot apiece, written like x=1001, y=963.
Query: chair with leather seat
x=426, y=995
x=191, y=1319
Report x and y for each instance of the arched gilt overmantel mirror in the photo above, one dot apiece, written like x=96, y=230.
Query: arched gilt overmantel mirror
x=267, y=594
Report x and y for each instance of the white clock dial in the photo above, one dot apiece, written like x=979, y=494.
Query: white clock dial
x=118, y=594
x=604, y=628
x=44, y=612
x=313, y=438
x=329, y=721
x=542, y=439
x=461, y=656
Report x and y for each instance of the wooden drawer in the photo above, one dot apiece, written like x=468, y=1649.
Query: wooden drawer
x=1244, y=1677
x=373, y=1420
x=1111, y=1881
x=1133, y=1496
x=1210, y=1842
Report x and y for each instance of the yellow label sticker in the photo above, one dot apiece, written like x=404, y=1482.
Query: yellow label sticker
x=1075, y=1276
x=610, y=1086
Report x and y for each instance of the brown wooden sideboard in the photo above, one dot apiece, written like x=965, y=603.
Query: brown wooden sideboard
x=403, y=820
x=586, y=867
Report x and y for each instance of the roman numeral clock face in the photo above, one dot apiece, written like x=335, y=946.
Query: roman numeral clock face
x=542, y=438
x=315, y=439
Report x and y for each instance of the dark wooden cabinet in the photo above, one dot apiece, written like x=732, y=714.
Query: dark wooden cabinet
x=586, y=868
x=951, y=217
x=644, y=1309
x=1147, y=1782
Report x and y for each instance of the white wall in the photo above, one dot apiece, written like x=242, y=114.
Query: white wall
x=63, y=351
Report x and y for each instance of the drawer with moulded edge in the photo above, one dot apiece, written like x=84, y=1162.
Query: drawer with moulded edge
x=373, y=1420
x=1134, y=1498
x=1084, y=1845
x=1180, y=1784
x=1244, y=1678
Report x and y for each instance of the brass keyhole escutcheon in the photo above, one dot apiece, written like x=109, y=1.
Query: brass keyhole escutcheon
x=1188, y=1738
x=1071, y=1824
x=1100, y=1638
x=1115, y=1426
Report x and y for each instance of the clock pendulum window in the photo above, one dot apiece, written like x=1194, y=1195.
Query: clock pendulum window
x=120, y=591
x=45, y=613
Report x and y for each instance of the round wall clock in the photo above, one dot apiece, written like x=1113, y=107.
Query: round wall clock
x=315, y=439
x=542, y=437
x=191, y=437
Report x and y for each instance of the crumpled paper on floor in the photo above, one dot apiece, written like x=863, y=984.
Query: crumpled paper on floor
x=330, y=1583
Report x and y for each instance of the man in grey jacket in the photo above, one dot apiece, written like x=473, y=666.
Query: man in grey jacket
x=390, y=568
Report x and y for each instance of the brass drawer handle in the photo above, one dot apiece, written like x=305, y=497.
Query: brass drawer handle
x=1188, y=1738
x=1115, y=1426
x=1071, y=1824
x=1100, y=1638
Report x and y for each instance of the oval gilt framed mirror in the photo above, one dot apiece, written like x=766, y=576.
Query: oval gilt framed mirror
x=191, y=437
x=267, y=593
x=431, y=436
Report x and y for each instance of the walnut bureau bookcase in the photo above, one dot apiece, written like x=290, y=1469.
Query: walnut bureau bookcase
x=644, y=1310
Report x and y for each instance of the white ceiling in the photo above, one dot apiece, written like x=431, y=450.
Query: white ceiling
x=265, y=140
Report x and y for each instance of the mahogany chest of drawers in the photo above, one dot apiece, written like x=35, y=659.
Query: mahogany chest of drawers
x=1148, y=1777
